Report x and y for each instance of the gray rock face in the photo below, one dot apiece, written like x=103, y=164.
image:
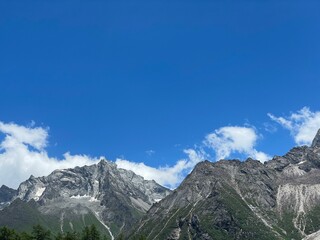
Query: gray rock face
x=116, y=197
x=6, y=195
x=230, y=199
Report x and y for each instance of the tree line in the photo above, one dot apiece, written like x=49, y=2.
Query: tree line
x=40, y=233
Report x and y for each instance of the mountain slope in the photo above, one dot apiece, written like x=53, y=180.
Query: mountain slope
x=279, y=199
x=22, y=216
x=73, y=198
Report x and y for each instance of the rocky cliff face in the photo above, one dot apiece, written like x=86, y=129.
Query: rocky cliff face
x=115, y=198
x=6, y=195
x=279, y=199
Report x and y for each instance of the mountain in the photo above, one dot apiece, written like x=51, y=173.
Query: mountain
x=230, y=199
x=113, y=199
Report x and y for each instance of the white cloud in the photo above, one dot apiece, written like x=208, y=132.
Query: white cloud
x=195, y=156
x=224, y=142
x=234, y=139
x=303, y=125
x=18, y=160
x=35, y=137
x=169, y=176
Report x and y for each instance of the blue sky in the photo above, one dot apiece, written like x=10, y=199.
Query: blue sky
x=119, y=79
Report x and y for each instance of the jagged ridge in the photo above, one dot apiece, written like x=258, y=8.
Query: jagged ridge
x=117, y=198
x=279, y=199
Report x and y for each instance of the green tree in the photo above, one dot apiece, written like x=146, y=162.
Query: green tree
x=71, y=236
x=86, y=233
x=59, y=236
x=90, y=233
x=25, y=236
x=8, y=234
x=95, y=234
x=140, y=237
x=39, y=233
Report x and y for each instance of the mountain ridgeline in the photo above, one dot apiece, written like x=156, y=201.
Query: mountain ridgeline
x=228, y=199
x=113, y=199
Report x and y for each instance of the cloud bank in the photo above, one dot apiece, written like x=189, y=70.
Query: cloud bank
x=303, y=125
x=22, y=153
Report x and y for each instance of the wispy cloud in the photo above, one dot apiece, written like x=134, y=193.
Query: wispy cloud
x=150, y=152
x=303, y=124
x=270, y=127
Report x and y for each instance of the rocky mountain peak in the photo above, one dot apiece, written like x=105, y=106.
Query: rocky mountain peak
x=4, y=187
x=201, y=165
x=316, y=140
x=6, y=194
x=32, y=177
x=101, y=192
x=104, y=162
